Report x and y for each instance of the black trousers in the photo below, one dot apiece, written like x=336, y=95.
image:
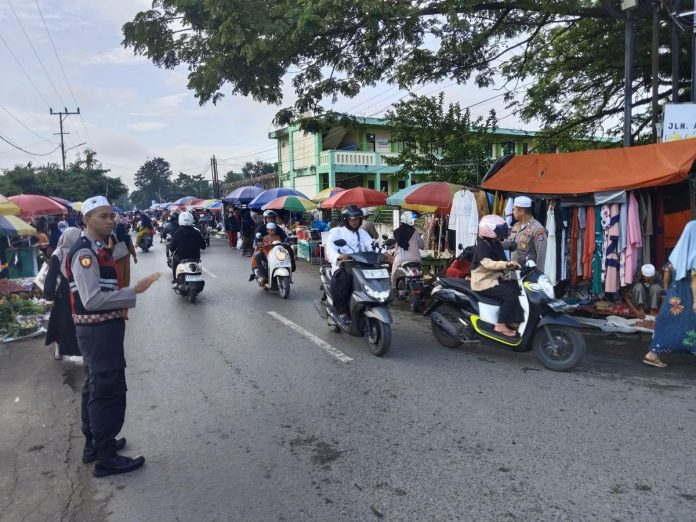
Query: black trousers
x=103, y=408
x=341, y=290
x=510, y=310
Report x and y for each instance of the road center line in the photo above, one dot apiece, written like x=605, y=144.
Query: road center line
x=209, y=273
x=338, y=354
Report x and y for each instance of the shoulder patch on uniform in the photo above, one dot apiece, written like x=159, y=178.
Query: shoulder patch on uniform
x=85, y=261
x=540, y=235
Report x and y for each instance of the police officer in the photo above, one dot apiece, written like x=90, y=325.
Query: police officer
x=99, y=307
x=530, y=235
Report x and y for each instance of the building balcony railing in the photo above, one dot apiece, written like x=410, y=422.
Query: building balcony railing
x=350, y=157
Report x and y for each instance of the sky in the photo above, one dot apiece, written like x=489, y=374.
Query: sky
x=132, y=111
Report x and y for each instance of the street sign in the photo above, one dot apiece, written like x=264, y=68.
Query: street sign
x=628, y=4
x=679, y=121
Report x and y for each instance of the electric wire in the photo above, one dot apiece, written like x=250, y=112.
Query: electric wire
x=25, y=72
x=23, y=125
x=26, y=151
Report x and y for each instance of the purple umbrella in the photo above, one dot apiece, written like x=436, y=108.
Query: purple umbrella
x=269, y=195
x=242, y=195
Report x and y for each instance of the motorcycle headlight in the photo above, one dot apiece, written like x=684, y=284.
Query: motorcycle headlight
x=375, y=294
x=281, y=254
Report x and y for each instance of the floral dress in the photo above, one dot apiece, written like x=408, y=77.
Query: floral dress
x=675, y=327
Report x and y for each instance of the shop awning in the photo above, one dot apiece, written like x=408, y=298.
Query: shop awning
x=596, y=170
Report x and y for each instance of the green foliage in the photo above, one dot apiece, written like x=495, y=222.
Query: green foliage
x=82, y=178
x=154, y=183
x=233, y=177
x=441, y=140
x=562, y=60
x=259, y=168
x=185, y=185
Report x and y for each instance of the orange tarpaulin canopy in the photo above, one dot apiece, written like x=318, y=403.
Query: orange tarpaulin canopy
x=596, y=170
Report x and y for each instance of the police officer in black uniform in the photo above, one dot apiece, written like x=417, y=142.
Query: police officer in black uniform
x=99, y=306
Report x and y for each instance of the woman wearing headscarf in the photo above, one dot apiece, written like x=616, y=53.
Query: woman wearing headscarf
x=61, y=329
x=122, y=249
x=675, y=326
x=408, y=243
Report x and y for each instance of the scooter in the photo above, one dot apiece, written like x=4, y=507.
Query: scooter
x=459, y=315
x=189, y=279
x=278, y=268
x=146, y=242
x=369, y=312
x=168, y=250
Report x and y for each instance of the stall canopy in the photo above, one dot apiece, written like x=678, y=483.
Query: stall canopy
x=596, y=170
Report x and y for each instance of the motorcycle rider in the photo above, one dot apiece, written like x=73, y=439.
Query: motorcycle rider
x=269, y=216
x=171, y=228
x=260, y=259
x=146, y=227
x=488, y=265
x=358, y=240
x=408, y=242
x=187, y=242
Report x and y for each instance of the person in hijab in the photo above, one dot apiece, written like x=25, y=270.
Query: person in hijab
x=675, y=326
x=408, y=242
x=61, y=329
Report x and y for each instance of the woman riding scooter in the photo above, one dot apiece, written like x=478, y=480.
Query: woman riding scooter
x=489, y=263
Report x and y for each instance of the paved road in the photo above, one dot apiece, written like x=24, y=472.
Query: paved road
x=242, y=418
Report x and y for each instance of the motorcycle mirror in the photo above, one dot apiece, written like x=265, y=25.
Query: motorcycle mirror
x=340, y=242
x=384, y=236
x=391, y=242
x=461, y=247
x=258, y=235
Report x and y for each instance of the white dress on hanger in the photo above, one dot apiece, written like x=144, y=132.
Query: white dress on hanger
x=464, y=219
x=550, y=262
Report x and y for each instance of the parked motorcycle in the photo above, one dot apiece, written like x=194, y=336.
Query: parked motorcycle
x=189, y=279
x=409, y=284
x=278, y=269
x=369, y=312
x=460, y=315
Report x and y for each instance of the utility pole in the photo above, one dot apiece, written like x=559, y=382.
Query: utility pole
x=655, y=65
x=62, y=116
x=675, y=52
x=628, y=7
x=214, y=172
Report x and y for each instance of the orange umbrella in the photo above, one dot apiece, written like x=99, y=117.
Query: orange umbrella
x=35, y=205
x=360, y=196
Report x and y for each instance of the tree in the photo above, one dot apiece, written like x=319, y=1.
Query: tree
x=233, y=177
x=563, y=57
x=441, y=140
x=154, y=182
x=259, y=168
x=185, y=185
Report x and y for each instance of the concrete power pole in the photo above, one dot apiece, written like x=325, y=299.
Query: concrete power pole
x=216, y=182
x=62, y=116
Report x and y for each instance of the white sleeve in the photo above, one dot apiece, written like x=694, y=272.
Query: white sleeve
x=331, y=249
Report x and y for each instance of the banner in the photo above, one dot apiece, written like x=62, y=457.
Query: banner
x=679, y=121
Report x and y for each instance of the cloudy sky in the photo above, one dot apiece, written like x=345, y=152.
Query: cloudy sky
x=130, y=109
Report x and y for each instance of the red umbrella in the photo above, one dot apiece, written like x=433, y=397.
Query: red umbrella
x=33, y=205
x=360, y=196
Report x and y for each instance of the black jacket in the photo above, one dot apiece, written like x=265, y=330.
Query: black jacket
x=187, y=243
x=171, y=228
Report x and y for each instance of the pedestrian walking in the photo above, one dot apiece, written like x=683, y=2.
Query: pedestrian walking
x=232, y=226
x=61, y=329
x=247, y=230
x=99, y=306
x=123, y=249
x=675, y=326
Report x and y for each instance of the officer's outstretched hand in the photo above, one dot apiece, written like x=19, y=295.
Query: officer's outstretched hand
x=145, y=283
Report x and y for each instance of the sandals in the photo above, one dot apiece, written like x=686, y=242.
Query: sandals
x=656, y=363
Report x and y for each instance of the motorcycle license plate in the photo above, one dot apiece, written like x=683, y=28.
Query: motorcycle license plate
x=376, y=274
x=194, y=278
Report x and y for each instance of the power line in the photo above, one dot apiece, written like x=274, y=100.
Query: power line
x=23, y=125
x=26, y=151
x=25, y=72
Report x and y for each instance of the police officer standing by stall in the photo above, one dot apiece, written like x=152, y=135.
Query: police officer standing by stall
x=530, y=235
x=99, y=307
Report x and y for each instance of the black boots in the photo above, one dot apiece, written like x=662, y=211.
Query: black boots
x=90, y=455
x=117, y=464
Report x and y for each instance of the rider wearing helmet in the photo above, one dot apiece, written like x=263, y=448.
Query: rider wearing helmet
x=358, y=240
x=488, y=264
x=187, y=242
x=408, y=242
x=269, y=216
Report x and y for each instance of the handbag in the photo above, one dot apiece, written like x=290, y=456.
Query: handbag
x=120, y=250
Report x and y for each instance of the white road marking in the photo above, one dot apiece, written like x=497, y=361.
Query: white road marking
x=209, y=272
x=321, y=343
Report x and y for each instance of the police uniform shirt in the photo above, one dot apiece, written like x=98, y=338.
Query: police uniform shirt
x=85, y=270
x=531, y=239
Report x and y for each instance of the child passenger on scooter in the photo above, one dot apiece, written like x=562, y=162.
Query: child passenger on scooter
x=489, y=263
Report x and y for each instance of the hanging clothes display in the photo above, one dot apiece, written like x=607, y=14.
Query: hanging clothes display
x=634, y=240
x=597, y=260
x=550, y=263
x=582, y=218
x=464, y=219
x=508, y=211
x=588, y=243
x=481, y=203
x=573, y=246
x=648, y=229
x=612, y=229
x=659, y=232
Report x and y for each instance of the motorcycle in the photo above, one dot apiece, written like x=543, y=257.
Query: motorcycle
x=168, y=250
x=278, y=269
x=409, y=285
x=369, y=301
x=146, y=242
x=459, y=315
x=189, y=279
x=205, y=232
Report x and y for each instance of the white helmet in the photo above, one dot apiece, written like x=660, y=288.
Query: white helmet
x=408, y=218
x=269, y=214
x=185, y=219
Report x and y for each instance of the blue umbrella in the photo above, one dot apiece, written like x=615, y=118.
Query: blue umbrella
x=117, y=209
x=269, y=195
x=242, y=195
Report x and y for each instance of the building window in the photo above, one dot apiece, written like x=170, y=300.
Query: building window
x=371, y=184
x=370, y=142
x=508, y=147
x=402, y=184
x=525, y=148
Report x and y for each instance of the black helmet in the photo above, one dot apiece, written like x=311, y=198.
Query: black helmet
x=174, y=216
x=351, y=211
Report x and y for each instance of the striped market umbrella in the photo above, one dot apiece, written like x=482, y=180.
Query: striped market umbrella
x=13, y=226
x=186, y=200
x=35, y=205
x=326, y=194
x=291, y=203
x=269, y=195
x=360, y=196
x=242, y=195
x=7, y=208
x=429, y=197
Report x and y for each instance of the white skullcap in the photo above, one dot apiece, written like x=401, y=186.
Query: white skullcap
x=62, y=225
x=522, y=202
x=648, y=270
x=90, y=204
x=271, y=225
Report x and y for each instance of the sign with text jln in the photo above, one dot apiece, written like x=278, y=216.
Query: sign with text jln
x=679, y=122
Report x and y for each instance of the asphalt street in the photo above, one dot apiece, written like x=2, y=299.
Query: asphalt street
x=247, y=408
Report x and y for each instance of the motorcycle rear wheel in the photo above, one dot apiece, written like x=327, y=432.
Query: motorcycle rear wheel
x=284, y=286
x=192, y=296
x=415, y=301
x=378, y=336
x=452, y=315
x=571, y=348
